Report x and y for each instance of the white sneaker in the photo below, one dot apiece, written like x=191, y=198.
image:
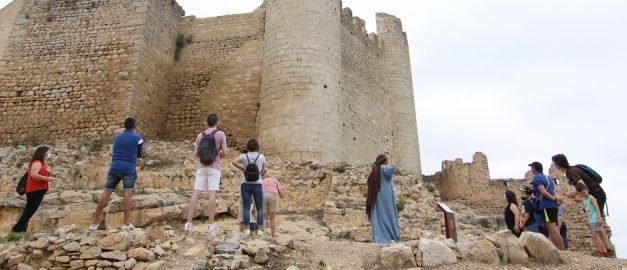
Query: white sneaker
x=126, y=228
x=94, y=227
x=212, y=230
x=247, y=232
x=187, y=227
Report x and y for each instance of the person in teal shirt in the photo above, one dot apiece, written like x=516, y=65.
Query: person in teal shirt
x=599, y=237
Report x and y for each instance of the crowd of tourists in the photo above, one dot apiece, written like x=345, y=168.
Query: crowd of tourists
x=542, y=208
x=257, y=184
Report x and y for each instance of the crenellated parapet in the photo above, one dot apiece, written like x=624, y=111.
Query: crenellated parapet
x=357, y=28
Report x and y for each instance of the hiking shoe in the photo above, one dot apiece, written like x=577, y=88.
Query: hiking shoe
x=212, y=230
x=247, y=232
x=93, y=227
x=187, y=227
x=261, y=233
x=126, y=228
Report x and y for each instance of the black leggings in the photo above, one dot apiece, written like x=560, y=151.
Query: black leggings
x=33, y=200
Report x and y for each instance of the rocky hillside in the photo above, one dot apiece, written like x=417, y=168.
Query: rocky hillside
x=322, y=224
x=335, y=193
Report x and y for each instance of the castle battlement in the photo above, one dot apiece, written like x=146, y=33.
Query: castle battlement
x=357, y=27
x=304, y=77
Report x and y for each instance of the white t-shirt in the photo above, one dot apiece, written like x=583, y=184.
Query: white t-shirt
x=261, y=161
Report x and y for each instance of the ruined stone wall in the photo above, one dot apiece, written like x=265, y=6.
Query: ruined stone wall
x=67, y=69
x=470, y=183
x=159, y=22
x=219, y=71
x=365, y=112
x=301, y=81
x=460, y=181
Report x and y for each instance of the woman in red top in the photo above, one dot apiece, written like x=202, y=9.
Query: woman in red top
x=36, y=186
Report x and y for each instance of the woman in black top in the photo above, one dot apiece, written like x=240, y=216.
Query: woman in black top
x=512, y=215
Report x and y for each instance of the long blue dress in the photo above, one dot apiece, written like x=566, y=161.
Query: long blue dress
x=384, y=218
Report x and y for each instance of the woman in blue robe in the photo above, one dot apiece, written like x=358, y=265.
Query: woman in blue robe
x=380, y=202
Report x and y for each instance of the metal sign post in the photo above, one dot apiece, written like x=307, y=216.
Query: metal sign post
x=449, y=221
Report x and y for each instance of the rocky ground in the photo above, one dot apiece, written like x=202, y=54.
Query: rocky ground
x=322, y=223
x=303, y=243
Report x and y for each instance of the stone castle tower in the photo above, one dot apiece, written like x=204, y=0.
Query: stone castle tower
x=302, y=76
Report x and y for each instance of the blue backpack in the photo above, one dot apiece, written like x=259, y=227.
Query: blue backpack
x=592, y=173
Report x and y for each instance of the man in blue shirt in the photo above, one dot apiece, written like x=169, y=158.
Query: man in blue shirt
x=548, y=203
x=127, y=147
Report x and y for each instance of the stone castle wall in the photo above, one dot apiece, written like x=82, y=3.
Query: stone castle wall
x=397, y=72
x=150, y=100
x=8, y=15
x=301, y=83
x=219, y=71
x=67, y=69
x=305, y=78
x=363, y=89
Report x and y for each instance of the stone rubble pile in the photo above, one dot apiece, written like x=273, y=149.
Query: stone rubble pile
x=155, y=248
x=163, y=248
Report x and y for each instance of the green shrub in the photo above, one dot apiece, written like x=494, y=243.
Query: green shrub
x=340, y=168
x=16, y=142
x=34, y=138
x=401, y=205
x=208, y=266
x=181, y=41
x=430, y=188
x=13, y=236
x=339, y=205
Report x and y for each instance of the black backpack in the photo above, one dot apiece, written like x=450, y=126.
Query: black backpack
x=592, y=173
x=207, y=150
x=251, y=172
x=21, y=185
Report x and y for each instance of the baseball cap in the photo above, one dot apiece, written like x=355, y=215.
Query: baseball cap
x=536, y=165
x=525, y=189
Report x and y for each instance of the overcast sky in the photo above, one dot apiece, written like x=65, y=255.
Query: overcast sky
x=517, y=80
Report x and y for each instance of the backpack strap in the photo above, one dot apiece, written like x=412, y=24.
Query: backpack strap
x=548, y=184
x=256, y=158
x=607, y=208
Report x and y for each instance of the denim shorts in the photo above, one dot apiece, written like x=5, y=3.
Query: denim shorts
x=128, y=181
x=596, y=227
